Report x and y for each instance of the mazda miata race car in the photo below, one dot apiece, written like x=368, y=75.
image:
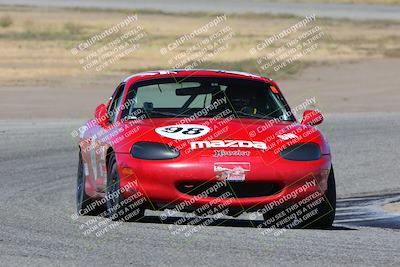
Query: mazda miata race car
x=208, y=142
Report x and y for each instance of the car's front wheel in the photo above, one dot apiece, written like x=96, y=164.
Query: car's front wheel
x=119, y=208
x=327, y=209
x=323, y=219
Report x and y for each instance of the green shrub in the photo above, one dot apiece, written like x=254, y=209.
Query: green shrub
x=5, y=21
x=73, y=28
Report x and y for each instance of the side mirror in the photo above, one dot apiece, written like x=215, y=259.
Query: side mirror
x=312, y=117
x=101, y=115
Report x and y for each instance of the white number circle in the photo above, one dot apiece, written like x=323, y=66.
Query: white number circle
x=183, y=131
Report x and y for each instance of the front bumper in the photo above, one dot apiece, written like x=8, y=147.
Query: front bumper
x=159, y=180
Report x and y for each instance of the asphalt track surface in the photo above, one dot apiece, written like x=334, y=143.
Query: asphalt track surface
x=347, y=11
x=38, y=163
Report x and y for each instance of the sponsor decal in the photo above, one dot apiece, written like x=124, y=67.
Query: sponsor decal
x=231, y=171
x=234, y=153
x=287, y=136
x=183, y=131
x=228, y=143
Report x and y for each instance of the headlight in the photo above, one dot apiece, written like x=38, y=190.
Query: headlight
x=154, y=151
x=302, y=152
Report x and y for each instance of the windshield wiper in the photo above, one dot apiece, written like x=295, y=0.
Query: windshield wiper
x=258, y=116
x=149, y=113
x=163, y=113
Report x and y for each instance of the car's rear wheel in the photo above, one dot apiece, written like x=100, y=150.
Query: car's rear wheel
x=119, y=208
x=85, y=205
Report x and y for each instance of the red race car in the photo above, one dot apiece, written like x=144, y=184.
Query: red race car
x=209, y=142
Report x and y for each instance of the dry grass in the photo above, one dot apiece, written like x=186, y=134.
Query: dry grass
x=36, y=46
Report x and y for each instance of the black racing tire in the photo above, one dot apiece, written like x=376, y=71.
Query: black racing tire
x=85, y=205
x=325, y=213
x=117, y=208
x=327, y=210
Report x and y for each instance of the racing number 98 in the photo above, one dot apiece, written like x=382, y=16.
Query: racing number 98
x=188, y=131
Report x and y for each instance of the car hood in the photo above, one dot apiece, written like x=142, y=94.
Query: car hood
x=188, y=134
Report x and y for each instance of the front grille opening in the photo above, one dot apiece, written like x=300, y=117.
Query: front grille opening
x=230, y=189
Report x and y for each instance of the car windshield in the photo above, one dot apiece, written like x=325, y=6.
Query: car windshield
x=197, y=97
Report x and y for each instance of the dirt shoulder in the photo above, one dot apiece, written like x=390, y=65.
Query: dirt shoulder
x=365, y=86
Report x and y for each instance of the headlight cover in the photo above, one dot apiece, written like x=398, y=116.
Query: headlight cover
x=154, y=151
x=302, y=152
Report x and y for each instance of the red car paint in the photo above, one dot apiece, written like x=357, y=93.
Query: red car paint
x=158, y=179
